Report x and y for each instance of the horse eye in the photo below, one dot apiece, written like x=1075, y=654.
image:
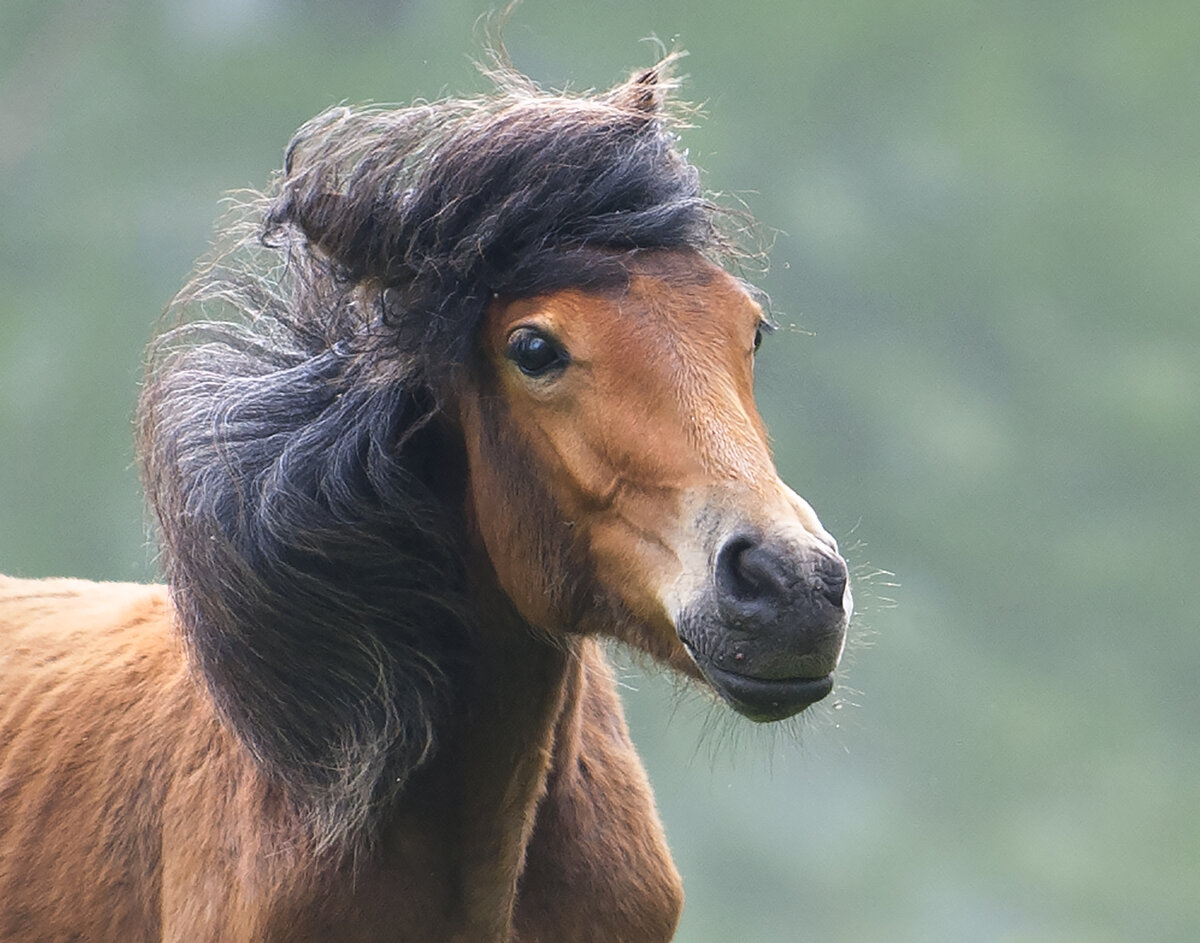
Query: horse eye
x=534, y=353
x=758, y=338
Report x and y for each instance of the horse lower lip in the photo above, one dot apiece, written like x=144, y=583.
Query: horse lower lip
x=767, y=699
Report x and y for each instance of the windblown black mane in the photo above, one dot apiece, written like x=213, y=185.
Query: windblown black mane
x=291, y=440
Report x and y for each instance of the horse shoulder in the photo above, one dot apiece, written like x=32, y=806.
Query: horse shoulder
x=597, y=866
x=78, y=779
x=109, y=757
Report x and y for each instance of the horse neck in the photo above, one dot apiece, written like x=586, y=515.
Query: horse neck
x=475, y=802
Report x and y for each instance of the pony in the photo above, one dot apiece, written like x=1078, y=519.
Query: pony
x=464, y=395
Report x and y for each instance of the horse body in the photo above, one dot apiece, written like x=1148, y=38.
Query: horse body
x=485, y=402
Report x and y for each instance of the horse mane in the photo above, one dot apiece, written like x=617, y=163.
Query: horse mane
x=289, y=428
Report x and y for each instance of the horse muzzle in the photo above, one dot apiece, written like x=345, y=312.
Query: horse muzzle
x=770, y=629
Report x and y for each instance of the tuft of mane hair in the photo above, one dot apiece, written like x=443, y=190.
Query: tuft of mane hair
x=291, y=435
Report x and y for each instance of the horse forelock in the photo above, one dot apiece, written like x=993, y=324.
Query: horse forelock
x=291, y=442
x=440, y=207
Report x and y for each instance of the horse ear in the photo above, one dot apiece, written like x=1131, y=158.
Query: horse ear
x=642, y=92
x=343, y=229
x=339, y=219
x=321, y=218
x=646, y=91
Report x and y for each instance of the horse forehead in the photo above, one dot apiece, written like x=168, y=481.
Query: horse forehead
x=692, y=333
x=689, y=296
x=668, y=312
x=702, y=316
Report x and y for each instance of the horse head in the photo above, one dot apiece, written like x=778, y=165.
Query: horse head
x=622, y=483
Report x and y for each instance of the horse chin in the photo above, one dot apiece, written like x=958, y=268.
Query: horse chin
x=764, y=699
x=763, y=679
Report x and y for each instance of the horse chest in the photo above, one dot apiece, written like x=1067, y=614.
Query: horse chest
x=550, y=836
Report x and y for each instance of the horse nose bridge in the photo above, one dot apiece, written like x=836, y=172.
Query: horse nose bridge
x=765, y=505
x=803, y=514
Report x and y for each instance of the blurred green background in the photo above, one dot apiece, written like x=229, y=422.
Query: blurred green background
x=986, y=224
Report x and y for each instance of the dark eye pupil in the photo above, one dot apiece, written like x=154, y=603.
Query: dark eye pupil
x=758, y=338
x=533, y=353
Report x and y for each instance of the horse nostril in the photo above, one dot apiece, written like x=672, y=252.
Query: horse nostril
x=754, y=579
x=747, y=573
x=831, y=578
